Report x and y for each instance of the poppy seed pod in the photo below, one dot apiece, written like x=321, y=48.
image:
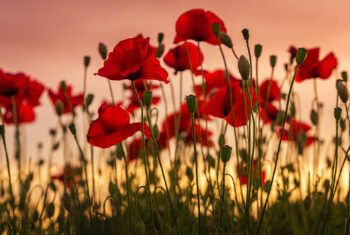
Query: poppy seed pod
x=225, y=39
x=273, y=60
x=344, y=75
x=314, y=117
x=89, y=99
x=102, y=49
x=342, y=92
x=245, y=33
x=147, y=98
x=63, y=85
x=50, y=210
x=216, y=29
x=257, y=50
x=222, y=140
x=226, y=153
x=72, y=129
x=191, y=101
x=86, y=61
x=119, y=152
x=66, y=201
x=301, y=55
x=243, y=67
x=160, y=37
x=59, y=107
x=337, y=113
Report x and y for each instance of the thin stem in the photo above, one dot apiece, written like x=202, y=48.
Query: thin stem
x=278, y=151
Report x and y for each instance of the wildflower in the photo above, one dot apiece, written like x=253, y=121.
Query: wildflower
x=196, y=25
x=112, y=127
x=243, y=175
x=74, y=100
x=131, y=60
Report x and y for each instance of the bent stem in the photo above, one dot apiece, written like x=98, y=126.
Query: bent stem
x=278, y=151
x=196, y=161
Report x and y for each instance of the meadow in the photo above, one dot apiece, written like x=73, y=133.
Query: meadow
x=231, y=157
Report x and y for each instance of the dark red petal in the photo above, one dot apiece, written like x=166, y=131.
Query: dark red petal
x=217, y=105
x=327, y=65
x=113, y=118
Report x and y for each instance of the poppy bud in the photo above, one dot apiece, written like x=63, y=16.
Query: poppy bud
x=52, y=132
x=243, y=67
x=286, y=67
x=66, y=201
x=342, y=92
x=342, y=124
x=35, y=215
x=2, y=130
x=89, y=99
x=216, y=29
x=226, y=153
x=337, y=113
x=301, y=55
x=160, y=51
x=191, y=101
x=160, y=37
x=273, y=60
x=245, y=33
x=156, y=131
x=102, y=49
x=63, y=85
x=72, y=129
x=86, y=61
x=50, y=210
x=344, y=75
x=314, y=117
x=147, y=98
x=258, y=49
x=225, y=39
x=59, y=107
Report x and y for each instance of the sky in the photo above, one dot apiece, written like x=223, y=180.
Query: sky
x=48, y=39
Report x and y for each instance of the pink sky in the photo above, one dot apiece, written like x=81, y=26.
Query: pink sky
x=47, y=39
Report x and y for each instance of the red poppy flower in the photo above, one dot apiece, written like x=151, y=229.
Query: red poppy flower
x=177, y=57
x=243, y=176
x=274, y=91
x=74, y=100
x=131, y=60
x=25, y=114
x=11, y=84
x=68, y=174
x=151, y=49
x=293, y=51
x=214, y=80
x=298, y=134
x=270, y=113
x=219, y=105
x=197, y=24
x=112, y=127
x=313, y=67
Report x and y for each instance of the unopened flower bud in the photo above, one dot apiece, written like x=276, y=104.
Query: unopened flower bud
x=160, y=50
x=342, y=92
x=226, y=153
x=273, y=60
x=314, y=117
x=89, y=99
x=72, y=129
x=160, y=37
x=344, y=75
x=337, y=113
x=147, y=98
x=244, y=67
x=59, y=107
x=258, y=50
x=102, y=49
x=225, y=39
x=191, y=101
x=66, y=201
x=216, y=29
x=245, y=33
x=222, y=140
x=63, y=85
x=189, y=173
x=119, y=152
x=50, y=210
x=156, y=131
x=301, y=55
x=87, y=61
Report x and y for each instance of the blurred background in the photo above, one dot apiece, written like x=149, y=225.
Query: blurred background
x=48, y=39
